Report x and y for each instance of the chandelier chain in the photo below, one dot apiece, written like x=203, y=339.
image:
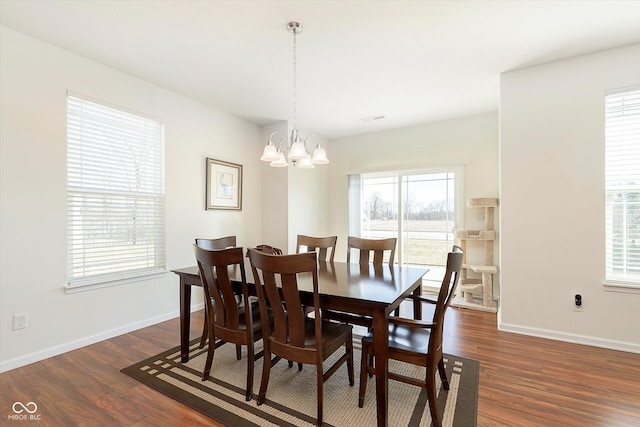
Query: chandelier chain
x=295, y=107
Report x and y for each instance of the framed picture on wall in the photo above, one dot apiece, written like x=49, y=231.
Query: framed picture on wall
x=224, y=185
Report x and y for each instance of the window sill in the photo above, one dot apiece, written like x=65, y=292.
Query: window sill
x=627, y=288
x=107, y=283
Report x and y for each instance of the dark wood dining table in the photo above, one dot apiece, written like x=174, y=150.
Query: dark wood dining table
x=352, y=288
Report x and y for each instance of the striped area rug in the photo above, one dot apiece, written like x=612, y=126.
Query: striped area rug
x=291, y=396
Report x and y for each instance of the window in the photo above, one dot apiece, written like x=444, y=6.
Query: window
x=622, y=177
x=115, y=195
x=418, y=208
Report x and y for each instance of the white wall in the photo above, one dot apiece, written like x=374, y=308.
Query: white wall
x=471, y=142
x=34, y=78
x=552, y=201
x=275, y=194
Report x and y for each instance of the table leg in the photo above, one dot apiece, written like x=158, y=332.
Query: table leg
x=185, y=319
x=380, y=352
x=417, y=305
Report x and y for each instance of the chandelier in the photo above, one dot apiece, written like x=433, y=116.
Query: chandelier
x=295, y=150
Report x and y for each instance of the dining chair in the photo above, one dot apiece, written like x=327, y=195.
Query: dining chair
x=418, y=342
x=366, y=246
x=267, y=249
x=376, y=246
x=325, y=246
x=240, y=325
x=294, y=336
x=214, y=244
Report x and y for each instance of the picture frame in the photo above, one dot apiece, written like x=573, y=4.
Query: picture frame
x=223, y=185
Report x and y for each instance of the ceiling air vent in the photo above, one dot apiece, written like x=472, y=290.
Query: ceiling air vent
x=370, y=119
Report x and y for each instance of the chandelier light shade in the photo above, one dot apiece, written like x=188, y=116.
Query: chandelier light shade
x=277, y=153
x=305, y=163
x=280, y=162
x=319, y=156
x=270, y=153
x=297, y=151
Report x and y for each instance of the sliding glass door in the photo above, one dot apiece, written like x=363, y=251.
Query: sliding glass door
x=428, y=218
x=419, y=208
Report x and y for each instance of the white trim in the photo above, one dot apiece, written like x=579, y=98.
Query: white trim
x=621, y=90
x=406, y=169
x=572, y=338
x=79, y=286
x=625, y=288
x=113, y=106
x=83, y=342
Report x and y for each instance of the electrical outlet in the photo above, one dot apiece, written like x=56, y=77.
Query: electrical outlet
x=578, y=302
x=20, y=321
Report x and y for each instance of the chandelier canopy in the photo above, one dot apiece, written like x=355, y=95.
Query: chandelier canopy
x=277, y=152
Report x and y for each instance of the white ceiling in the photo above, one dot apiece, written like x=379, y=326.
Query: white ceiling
x=411, y=61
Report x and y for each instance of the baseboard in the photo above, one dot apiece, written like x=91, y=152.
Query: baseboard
x=572, y=338
x=83, y=342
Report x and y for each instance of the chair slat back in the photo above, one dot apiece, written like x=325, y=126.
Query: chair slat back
x=375, y=246
x=215, y=244
x=284, y=301
x=267, y=249
x=324, y=246
x=214, y=272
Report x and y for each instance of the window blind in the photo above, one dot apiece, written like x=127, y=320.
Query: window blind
x=115, y=194
x=355, y=204
x=622, y=182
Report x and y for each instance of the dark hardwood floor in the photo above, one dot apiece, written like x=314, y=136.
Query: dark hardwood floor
x=524, y=381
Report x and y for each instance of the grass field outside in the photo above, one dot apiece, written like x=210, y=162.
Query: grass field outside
x=431, y=249
x=409, y=225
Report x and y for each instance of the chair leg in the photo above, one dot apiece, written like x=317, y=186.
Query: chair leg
x=299, y=365
x=431, y=395
x=266, y=370
x=210, y=351
x=205, y=331
x=363, y=375
x=349, y=348
x=238, y=351
x=250, y=363
x=443, y=374
x=320, y=382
